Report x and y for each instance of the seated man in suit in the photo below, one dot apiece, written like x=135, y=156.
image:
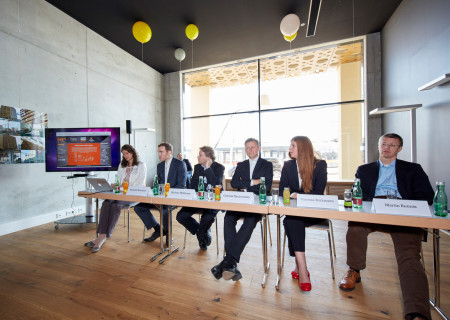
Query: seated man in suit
x=169, y=170
x=188, y=169
x=246, y=177
x=410, y=182
x=207, y=168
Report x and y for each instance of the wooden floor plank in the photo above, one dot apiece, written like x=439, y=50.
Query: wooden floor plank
x=49, y=274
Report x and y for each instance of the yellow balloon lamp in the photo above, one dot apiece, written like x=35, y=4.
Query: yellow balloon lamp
x=142, y=32
x=290, y=38
x=192, y=32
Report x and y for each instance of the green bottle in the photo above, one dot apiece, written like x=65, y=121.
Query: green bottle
x=155, y=186
x=440, y=200
x=201, y=188
x=262, y=191
x=357, y=194
x=117, y=184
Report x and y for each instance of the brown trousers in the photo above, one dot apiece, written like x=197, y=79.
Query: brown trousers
x=407, y=244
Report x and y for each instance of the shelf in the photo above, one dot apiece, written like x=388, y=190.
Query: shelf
x=144, y=129
x=394, y=109
x=436, y=82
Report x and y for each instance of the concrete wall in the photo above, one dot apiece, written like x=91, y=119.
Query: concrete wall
x=173, y=113
x=415, y=50
x=51, y=63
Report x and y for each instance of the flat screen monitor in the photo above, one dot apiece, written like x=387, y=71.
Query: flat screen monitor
x=82, y=149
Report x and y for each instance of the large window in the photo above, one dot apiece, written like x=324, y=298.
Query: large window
x=317, y=93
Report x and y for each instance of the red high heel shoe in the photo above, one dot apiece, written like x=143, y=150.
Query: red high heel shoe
x=305, y=286
x=294, y=275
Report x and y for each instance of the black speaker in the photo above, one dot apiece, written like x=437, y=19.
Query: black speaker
x=128, y=126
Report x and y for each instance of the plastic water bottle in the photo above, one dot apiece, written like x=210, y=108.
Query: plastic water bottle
x=262, y=191
x=117, y=184
x=440, y=200
x=201, y=188
x=155, y=186
x=357, y=194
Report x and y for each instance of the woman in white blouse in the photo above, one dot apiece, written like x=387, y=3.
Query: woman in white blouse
x=131, y=170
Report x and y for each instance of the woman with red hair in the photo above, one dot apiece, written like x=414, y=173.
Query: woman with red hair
x=305, y=173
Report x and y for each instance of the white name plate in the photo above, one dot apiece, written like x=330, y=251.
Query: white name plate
x=237, y=197
x=418, y=208
x=317, y=201
x=138, y=191
x=186, y=194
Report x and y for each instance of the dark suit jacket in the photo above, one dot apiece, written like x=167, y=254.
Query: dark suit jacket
x=241, y=178
x=289, y=178
x=412, y=181
x=188, y=165
x=177, y=173
x=214, y=175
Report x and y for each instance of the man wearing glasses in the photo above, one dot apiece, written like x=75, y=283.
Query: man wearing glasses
x=406, y=180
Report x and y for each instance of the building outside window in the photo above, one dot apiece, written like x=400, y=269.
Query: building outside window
x=317, y=93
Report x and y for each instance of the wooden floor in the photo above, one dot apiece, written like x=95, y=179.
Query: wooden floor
x=49, y=274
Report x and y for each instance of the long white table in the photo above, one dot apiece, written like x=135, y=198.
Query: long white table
x=204, y=204
x=368, y=216
x=358, y=215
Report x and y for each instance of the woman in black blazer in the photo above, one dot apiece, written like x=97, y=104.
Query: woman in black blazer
x=305, y=173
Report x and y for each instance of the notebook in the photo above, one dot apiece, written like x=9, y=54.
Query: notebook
x=100, y=184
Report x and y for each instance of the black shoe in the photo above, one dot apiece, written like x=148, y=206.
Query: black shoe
x=202, y=241
x=207, y=237
x=154, y=236
x=231, y=273
x=217, y=271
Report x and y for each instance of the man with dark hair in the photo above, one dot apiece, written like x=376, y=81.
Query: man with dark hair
x=169, y=170
x=408, y=180
x=212, y=172
x=188, y=169
x=247, y=177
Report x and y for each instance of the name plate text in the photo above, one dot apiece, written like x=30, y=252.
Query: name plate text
x=317, y=201
x=418, y=208
x=138, y=191
x=237, y=197
x=186, y=194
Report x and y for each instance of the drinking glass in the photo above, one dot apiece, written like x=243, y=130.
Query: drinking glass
x=162, y=190
x=210, y=192
x=391, y=194
x=275, y=192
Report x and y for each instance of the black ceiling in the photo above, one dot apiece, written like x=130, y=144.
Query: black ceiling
x=228, y=29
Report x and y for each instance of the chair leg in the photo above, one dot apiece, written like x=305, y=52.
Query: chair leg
x=330, y=225
x=262, y=241
x=217, y=235
x=185, y=234
x=331, y=254
x=270, y=233
x=284, y=247
x=124, y=223
x=128, y=212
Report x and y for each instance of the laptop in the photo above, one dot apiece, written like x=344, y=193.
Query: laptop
x=100, y=184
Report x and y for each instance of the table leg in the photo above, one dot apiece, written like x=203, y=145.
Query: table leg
x=436, y=303
x=277, y=284
x=265, y=258
x=96, y=215
x=161, y=237
x=169, y=237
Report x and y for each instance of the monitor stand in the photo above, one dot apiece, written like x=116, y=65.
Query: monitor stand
x=88, y=216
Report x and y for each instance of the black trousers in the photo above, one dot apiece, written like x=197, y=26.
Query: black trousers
x=184, y=217
x=235, y=241
x=295, y=231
